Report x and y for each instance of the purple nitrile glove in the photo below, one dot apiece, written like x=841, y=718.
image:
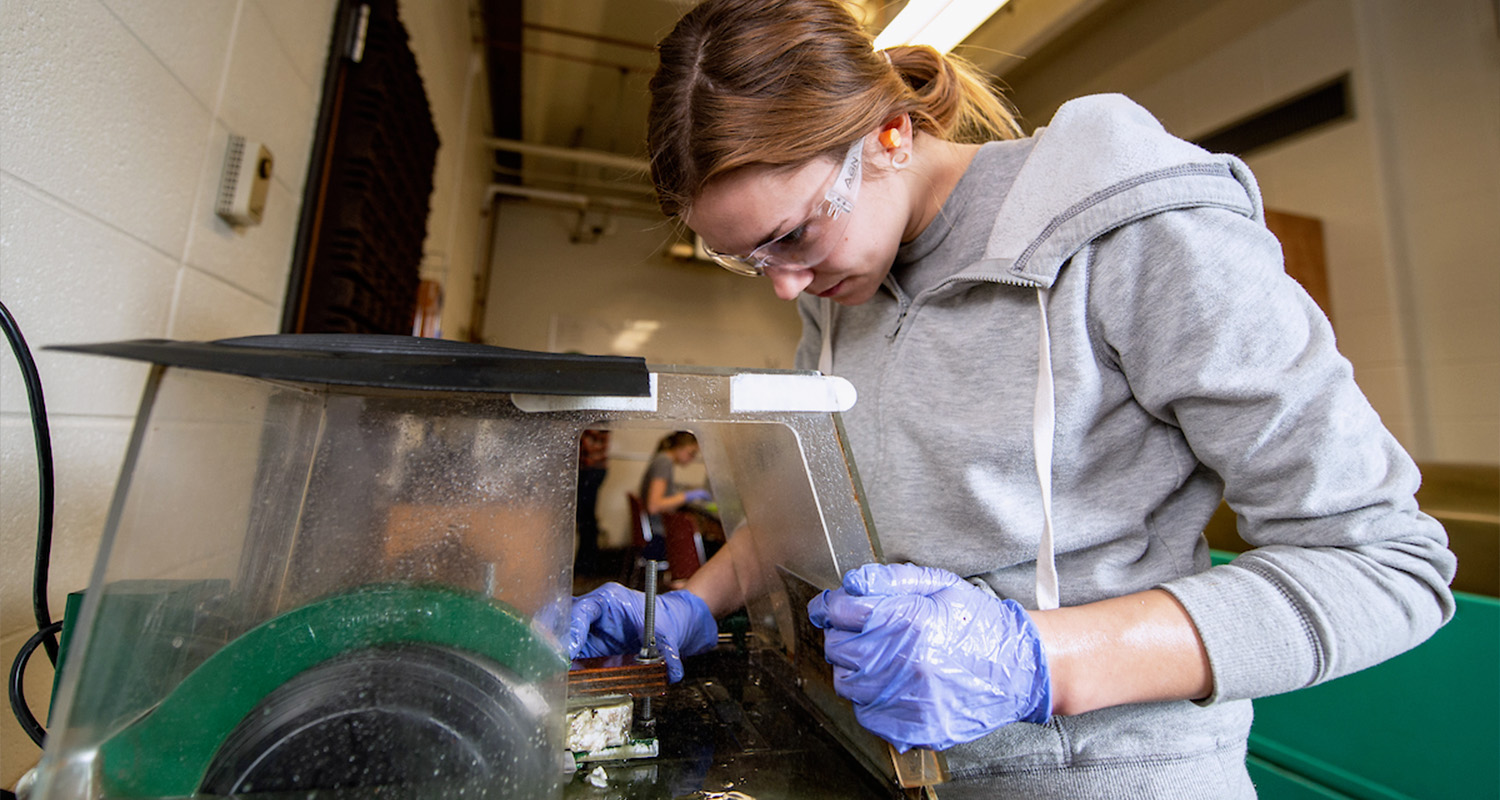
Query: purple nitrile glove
x=612, y=619
x=928, y=659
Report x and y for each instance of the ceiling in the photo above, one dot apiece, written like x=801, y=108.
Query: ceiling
x=572, y=75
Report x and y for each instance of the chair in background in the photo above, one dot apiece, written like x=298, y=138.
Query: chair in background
x=684, y=544
x=640, y=539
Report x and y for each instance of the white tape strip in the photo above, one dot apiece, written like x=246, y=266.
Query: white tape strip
x=776, y=392
x=565, y=402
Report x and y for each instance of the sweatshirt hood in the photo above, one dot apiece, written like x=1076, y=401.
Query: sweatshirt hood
x=1101, y=163
x=1132, y=169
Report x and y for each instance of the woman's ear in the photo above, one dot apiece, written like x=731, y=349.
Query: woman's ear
x=895, y=140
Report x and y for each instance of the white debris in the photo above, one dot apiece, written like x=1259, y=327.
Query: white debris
x=592, y=728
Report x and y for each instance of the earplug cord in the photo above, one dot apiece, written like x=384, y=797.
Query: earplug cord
x=46, y=633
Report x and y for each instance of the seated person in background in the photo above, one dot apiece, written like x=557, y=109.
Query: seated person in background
x=659, y=490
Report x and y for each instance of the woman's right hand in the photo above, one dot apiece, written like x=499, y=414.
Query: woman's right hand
x=611, y=620
x=929, y=659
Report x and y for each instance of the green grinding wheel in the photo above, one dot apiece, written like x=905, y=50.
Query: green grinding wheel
x=417, y=717
x=451, y=672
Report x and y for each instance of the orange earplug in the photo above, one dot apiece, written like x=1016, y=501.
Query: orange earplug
x=890, y=138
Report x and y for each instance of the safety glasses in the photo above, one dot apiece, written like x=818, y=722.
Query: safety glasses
x=812, y=241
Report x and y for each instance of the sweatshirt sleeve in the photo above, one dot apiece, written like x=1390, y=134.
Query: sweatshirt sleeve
x=1194, y=307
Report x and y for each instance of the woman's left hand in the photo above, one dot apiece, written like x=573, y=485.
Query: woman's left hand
x=611, y=620
x=928, y=659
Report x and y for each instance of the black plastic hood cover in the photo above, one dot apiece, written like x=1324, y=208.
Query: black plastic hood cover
x=392, y=362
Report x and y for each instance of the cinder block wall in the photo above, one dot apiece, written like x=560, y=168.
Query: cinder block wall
x=114, y=117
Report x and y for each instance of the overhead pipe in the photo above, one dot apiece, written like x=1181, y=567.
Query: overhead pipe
x=648, y=47
x=644, y=191
x=596, y=157
x=593, y=62
x=582, y=202
x=532, y=193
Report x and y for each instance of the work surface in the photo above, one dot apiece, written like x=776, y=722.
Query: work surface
x=727, y=727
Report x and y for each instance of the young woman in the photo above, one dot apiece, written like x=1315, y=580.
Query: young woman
x=1068, y=348
x=659, y=490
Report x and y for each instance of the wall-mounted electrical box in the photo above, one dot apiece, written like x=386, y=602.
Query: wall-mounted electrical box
x=245, y=182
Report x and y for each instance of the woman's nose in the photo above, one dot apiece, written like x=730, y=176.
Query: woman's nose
x=790, y=283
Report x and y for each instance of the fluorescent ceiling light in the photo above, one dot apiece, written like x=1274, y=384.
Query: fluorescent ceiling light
x=940, y=23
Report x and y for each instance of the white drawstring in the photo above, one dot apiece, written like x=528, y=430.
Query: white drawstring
x=825, y=321
x=1043, y=425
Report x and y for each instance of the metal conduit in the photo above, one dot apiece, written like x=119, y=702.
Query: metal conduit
x=597, y=157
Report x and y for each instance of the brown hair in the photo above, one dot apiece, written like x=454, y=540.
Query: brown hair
x=780, y=82
x=676, y=439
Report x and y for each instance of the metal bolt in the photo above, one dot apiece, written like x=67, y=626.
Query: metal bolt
x=648, y=636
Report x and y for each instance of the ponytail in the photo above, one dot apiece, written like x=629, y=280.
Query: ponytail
x=955, y=100
x=781, y=82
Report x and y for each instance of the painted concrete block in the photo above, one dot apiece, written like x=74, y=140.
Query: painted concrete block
x=209, y=308
x=92, y=115
x=70, y=278
x=267, y=100
x=303, y=27
x=191, y=39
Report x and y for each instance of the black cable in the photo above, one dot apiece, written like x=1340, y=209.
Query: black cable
x=18, y=704
x=43, y=439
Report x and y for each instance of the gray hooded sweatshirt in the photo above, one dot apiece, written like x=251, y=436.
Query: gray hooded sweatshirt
x=1103, y=345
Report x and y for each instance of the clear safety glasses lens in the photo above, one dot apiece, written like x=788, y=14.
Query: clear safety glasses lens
x=812, y=241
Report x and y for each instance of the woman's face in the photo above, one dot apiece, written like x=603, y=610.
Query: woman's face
x=684, y=454
x=741, y=210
